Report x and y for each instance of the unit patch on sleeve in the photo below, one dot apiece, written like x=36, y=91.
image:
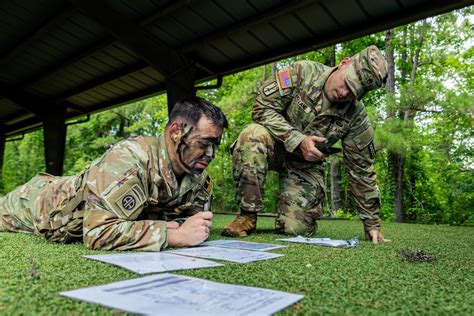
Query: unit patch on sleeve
x=270, y=89
x=131, y=200
x=284, y=77
x=125, y=200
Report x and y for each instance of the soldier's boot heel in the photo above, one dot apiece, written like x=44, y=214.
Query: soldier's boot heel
x=242, y=226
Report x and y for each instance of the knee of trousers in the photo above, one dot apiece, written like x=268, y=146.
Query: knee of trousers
x=253, y=149
x=296, y=217
x=255, y=140
x=301, y=223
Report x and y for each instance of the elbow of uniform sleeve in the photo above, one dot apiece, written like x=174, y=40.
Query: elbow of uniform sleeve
x=102, y=232
x=294, y=140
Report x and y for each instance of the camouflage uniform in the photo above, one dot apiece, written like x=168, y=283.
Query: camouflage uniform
x=121, y=202
x=284, y=114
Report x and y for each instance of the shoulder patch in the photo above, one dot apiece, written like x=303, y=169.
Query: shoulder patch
x=126, y=199
x=131, y=200
x=270, y=89
x=284, y=77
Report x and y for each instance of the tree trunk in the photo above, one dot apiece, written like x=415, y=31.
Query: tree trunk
x=124, y=123
x=396, y=161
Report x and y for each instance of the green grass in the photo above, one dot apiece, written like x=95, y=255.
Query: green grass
x=371, y=279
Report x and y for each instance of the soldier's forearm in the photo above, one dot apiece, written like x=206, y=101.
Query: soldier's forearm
x=104, y=231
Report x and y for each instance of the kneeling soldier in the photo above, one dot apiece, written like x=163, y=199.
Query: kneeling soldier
x=298, y=115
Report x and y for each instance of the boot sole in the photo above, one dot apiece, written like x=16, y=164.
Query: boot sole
x=229, y=233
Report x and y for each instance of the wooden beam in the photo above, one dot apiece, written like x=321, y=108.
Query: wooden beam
x=129, y=69
x=99, y=44
x=347, y=33
x=65, y=62
x=54, y=130
x=15, y=117
x=22, y=99
x=177, y=69
x=247, y=24
x=49, y=23
x=144, y=44
x=36, y=105
x=181, y=87
x=30, y=124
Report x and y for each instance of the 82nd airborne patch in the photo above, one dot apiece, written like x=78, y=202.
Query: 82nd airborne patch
x=131, y=200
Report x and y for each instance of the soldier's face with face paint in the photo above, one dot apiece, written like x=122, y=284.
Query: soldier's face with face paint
x=198, y=144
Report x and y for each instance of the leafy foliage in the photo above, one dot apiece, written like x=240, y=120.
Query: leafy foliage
x=427, y=121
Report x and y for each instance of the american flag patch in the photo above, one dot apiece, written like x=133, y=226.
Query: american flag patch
x=284, y=78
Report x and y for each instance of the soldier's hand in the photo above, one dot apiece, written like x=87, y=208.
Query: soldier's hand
x=376, y=236
x=309, y=150
x=172, y=225
x=194, y=231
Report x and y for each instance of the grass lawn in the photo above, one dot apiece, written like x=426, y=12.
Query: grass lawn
x=370, y=279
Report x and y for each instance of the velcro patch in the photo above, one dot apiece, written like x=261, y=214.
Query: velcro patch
x=303, y=105
x=372, y=150
x=284, y=77
x=270, y=89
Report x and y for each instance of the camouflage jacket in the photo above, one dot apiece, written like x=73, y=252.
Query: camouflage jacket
x=121, y=202
x=293, y=105
x=132, y=191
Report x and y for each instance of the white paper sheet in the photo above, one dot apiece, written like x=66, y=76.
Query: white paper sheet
x=169, y=294
x=226, y=254
x=153, y=262
x=240, y=244
x=328, y=242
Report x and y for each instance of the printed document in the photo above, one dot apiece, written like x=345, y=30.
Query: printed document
x=169, y=294
x=354, y=242
x=153, y=262
x=240, y=244
x=225, y=254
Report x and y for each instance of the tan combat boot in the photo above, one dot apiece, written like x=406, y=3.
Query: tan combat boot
x=242, y=226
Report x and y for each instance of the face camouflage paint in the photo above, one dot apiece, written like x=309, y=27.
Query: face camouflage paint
x=196, y=152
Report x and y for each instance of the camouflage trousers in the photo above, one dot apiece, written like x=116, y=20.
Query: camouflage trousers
x=46, y=206
x=301, y=182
